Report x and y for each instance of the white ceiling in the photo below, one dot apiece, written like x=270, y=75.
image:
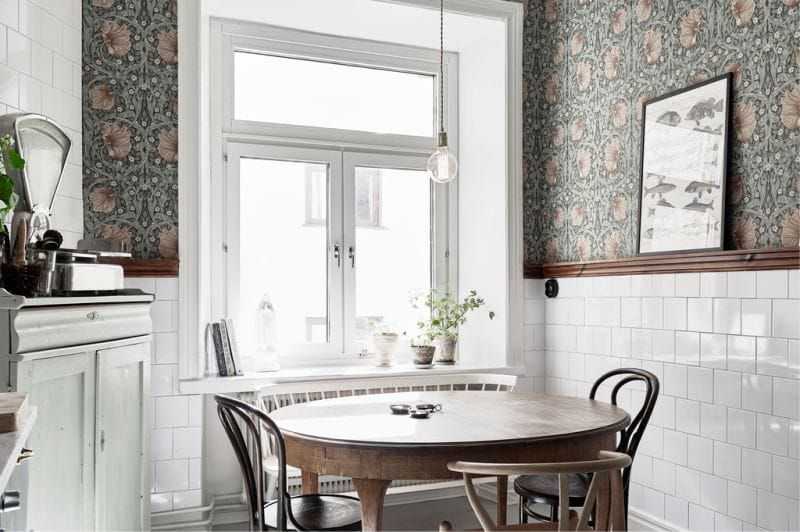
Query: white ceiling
x=364, y=19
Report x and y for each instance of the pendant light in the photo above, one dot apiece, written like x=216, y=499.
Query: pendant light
x=442, y=165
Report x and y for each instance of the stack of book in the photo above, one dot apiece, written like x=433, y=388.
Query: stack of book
x=226, y=349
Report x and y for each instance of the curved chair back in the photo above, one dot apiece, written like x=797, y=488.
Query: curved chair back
x=631, y=436
x=244, y=423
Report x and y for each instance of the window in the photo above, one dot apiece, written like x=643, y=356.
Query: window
x=331, y=220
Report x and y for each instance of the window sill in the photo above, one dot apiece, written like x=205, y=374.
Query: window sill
x=252, y=381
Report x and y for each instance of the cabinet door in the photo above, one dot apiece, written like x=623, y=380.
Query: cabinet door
x=122, y=457
x=60, y=487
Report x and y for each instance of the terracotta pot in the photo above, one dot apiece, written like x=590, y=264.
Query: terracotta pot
x=385, y=344
x=423, y=354
x=445, y=350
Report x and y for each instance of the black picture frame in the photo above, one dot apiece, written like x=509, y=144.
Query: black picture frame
x=701, y=112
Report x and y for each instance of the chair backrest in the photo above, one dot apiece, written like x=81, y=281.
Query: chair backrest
x=631, y=436
x=245, y=424
x=608, y=467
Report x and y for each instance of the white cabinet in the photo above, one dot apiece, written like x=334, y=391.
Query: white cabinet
x=90, y=469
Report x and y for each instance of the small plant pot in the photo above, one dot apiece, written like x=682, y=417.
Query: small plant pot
x=445, y=350
x=385, y=345
x=423, y=354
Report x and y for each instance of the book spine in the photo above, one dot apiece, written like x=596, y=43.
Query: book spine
x=237, y=357
x=217, y=338
x=226, y=349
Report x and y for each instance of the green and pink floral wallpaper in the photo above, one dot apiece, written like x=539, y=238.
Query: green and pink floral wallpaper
x=588, y=66
x=130, y=136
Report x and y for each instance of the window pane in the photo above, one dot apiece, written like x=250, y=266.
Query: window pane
x=393, y=256
x=283, y=256
x=312, y=93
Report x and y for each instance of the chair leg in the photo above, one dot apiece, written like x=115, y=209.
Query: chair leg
x=554, y=513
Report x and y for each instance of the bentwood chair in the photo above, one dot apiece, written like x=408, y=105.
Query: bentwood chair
x=544, y=489
x=608, y=467
x=244, y=423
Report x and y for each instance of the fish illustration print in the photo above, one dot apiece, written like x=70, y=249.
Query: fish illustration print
x=704, y=109
x=698, y=187
x=649, y=233
x=670, y=118
x=664, y=203
x=661, y=188
x=698, y=206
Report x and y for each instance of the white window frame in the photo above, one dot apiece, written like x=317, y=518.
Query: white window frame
x=199, y=188
x=237, y=138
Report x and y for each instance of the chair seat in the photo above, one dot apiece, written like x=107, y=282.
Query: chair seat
x=319, y=512
x=543, y=489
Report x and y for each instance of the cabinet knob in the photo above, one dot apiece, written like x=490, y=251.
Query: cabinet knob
x=9, y=501
x=24, y=454
x=93, y=315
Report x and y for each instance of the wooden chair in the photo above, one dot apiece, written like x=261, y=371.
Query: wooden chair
x=606, y=475
x=545, y=489
x=244, y=424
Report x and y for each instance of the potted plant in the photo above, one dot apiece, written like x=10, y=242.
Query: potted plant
x=384, y=338
x=10, y=159
x=446, y=316
x=422, y=350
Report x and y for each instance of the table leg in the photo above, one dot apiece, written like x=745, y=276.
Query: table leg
x=310, y=483
x=371, y=493
x=502, y=499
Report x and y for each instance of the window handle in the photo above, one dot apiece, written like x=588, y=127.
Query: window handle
x=351, y=254
x=337, y=255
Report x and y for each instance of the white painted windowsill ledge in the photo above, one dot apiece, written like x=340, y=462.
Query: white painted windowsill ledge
x=252, y=381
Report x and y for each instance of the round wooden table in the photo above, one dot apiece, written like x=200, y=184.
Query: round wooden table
x=358, y=437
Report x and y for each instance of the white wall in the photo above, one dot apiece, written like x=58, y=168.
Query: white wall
x=40, y=72
x=722, y=449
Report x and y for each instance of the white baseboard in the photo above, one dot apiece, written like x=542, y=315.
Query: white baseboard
x=639, y=520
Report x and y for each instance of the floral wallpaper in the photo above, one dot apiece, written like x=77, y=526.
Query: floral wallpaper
x=590, y=64
x=130, y=136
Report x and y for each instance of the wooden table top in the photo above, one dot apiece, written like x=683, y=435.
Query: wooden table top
x=467, y=418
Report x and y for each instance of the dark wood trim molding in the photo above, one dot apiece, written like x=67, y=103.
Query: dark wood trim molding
x=147, y=267
x=711, y=261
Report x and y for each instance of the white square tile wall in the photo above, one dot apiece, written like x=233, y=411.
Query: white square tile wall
x=722, y=448
x=40, y=65
x=176, y=437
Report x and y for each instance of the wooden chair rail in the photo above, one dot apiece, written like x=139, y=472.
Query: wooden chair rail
x=147, y=267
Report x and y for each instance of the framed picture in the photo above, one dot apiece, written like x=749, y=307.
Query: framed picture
x=683, y=168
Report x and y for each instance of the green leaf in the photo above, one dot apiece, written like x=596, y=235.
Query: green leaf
x=16, y=160
x=491, y=314
x=6, y=188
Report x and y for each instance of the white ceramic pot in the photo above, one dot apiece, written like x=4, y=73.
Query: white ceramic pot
x=385, y=344
x=445, y=350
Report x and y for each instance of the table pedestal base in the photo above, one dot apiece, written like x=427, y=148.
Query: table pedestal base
x=371, y=494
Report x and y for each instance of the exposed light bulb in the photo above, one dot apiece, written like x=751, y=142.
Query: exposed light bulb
x=442, y=165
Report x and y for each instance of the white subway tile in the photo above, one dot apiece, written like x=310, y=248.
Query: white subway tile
x=51, y=32
x=675, y=380
x=145, y=284
x=664, y=476
x=161, y=314
x=534, y=311
x=687, y=416
x=700, y=314
x=642, y=473
x=786, y=397
x=603, y=311
x=167, y=288
x=653, y=441
x=653, y=313
x=714, y=284
x=18, y=50
x=187, y=499
x=727, y=523
x=713, y=350
x=786, y=476
x=195, y=406
x=620, y=285
x=664, y=412
x=653, y=502
x=160, y=502
x=602, y=341
x=772, y=357
x=675, y=313
x=728, y=461
x=584, y=339
x=162, y=377
x=713, y=492
x=172, y=411
x=786, y=318
x=742, y=428
x=556, y=311
x=728, y=388
x=741, y=284
x=631, y=312
x=642, y=285
x=620, y=342
x=575, y=312
x=772, y=284
x=576, y=366
x=742, y=502
x=757, y=469
x=794, y=284
x=675, y=447
x=776, y=512
x=642, y=344
x=687, y=348
x=187, y=442
x=664, y=345
x=742, y=354
x=727, y=316
x=160, y=444
x=42, y=69
x=539, y=340
x=713, y=421
x=772, y=434
x=602, y=287
x=172, y=475
x=687, y=284
x=528, y=288
x=676, y=511
x=664, y=285
x=30, y=20
x=701, y=453
x=794, y=439
x=701, y=384
x=700, y=518
x=688, y=481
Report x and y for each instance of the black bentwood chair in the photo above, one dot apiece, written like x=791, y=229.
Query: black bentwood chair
x=543, y=489
x=243, y=424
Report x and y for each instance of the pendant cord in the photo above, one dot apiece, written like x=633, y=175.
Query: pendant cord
x=441, y=66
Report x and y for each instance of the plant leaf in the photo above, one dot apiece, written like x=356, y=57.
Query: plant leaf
x=16, y=160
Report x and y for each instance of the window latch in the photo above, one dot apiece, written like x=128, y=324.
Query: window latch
x=337, y=255
x=351, y=254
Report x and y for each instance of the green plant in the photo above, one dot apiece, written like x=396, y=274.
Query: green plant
x=444, y=314
x=9, y=159
x=380, y=327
